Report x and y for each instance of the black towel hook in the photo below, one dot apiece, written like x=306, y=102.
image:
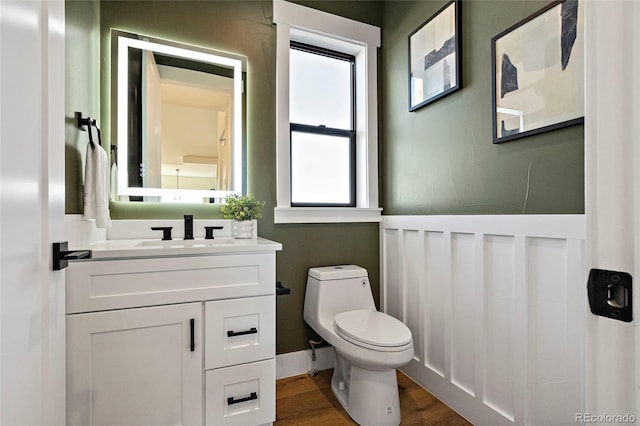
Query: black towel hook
x=81, y=122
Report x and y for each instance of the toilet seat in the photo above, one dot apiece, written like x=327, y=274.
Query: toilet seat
x=373, y=330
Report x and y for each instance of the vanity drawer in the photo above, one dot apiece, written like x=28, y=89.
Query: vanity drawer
x=241, y=395
x=114, y=284
x=239, y=331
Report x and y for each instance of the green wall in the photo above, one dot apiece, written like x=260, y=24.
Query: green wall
x=440, y=159
x=82, y=90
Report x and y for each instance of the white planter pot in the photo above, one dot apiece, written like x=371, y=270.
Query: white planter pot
x=244, y=229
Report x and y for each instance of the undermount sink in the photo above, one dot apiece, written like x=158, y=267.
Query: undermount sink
x=186, y=243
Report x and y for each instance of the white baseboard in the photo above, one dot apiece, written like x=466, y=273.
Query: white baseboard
x=295, y=363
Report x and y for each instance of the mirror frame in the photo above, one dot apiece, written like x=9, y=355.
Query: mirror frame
x=235, y=62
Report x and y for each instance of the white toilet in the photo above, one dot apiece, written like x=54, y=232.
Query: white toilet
x=369, y=345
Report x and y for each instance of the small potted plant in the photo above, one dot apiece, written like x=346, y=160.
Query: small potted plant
x=244, y=210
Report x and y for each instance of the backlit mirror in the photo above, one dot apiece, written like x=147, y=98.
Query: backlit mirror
x=179, y=121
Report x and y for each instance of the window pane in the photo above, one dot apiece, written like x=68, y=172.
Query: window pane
x=320, y=169
x=319, y=90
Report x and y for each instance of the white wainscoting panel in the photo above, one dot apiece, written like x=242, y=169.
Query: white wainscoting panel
x=497, y=307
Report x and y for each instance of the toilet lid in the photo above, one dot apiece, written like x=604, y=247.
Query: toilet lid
x=373, y=328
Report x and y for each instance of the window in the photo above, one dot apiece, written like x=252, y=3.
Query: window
x=322, y=122
x=326, y=108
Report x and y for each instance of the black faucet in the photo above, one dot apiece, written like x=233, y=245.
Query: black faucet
x=166, y=231
x=188, y=227
x=208, y=231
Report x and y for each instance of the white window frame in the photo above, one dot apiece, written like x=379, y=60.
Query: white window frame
x=310, y=26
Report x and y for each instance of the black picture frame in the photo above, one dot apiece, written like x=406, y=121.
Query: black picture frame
x=537, y=71
x=435, y=57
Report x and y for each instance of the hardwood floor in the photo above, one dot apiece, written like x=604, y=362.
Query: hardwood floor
x=306, y=400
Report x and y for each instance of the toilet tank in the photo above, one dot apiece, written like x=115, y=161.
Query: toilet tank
x=334, y=289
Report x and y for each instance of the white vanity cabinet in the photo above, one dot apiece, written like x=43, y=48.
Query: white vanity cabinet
x=172, y=340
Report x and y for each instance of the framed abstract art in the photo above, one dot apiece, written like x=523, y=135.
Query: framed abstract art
x=538, y=73
x=435, y=57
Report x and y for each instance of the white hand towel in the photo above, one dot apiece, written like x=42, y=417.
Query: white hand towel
x=96, y=185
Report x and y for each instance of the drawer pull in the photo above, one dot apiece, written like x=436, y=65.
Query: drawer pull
x=231, y=400
x=232, y=333
x=193, y=337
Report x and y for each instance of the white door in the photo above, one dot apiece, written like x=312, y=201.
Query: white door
x=32, y=327
x=612, y=170
x=136, y=366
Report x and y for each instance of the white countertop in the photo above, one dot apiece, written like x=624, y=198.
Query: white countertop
x=125, y=249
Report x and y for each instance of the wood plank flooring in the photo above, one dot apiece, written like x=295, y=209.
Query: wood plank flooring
x=306, y=400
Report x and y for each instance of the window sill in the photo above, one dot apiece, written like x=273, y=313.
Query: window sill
x=326, y=214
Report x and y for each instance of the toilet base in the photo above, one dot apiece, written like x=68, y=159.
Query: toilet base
x=369, y=397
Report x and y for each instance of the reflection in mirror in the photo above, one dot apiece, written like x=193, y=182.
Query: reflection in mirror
x=179, y=121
